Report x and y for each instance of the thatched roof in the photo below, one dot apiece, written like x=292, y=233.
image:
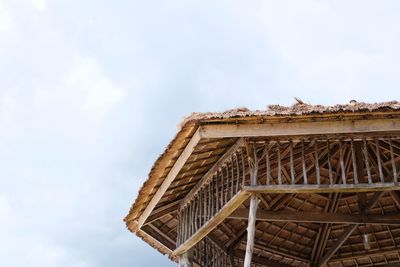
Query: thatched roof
x=185, y=130
x=298, y=111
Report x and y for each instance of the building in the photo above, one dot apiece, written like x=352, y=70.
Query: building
x=305, y=185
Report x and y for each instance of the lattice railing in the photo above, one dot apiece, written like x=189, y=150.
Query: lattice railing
x=329, y=161
x=207, y=253
x=222, y=186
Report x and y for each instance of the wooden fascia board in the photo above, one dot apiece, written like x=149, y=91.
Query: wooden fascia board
x=350, y=126
x=179, y=163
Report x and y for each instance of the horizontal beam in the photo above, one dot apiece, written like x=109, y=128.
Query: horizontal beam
x=301, y=128
x=366, y=254
x=211, y=224
x=206, y=178
x=317, y=217
x=323, y=188
x=162, y=211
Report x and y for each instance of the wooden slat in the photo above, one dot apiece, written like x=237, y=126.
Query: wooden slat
x=292, y=172
x=303, y=162
x=228, y=154
x=378, y=159
x=317, y=217
x=170, y=178
x=392, y=160
x=396, y=198
x=316, y=158
x=162, y=211
x=224, y=212
x=301, y=128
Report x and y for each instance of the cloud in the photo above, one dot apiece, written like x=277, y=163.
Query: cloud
x=100, y=95
x=21, y=246
x=7, y=21
x=39, y=5
x=8, y=105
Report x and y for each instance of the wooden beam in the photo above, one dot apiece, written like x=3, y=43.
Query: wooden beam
x=350, y=229
x=162, y=211
x=301, y=128
x=206, y=178
x=366, y=254
x=162, y=234
x=317, y=217
x=210, y=225
x=325, y=229
x=396, y=198
x=275, y=204
x=359, y=172
x=169, y=179
x=323, y=188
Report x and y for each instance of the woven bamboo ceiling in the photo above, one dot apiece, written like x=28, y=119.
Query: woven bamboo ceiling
x=302, y=147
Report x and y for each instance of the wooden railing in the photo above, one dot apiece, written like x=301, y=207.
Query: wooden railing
x=208, y=253
x=222, y=186
x=328, y=163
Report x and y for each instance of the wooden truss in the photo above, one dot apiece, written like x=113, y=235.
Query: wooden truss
x=257, y=166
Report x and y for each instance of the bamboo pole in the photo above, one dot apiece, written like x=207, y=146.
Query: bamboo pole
x=251, y=228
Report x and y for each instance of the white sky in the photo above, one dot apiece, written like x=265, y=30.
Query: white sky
x=91, y=92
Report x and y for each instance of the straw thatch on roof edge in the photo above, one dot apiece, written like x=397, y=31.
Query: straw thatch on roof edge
x=294, y=110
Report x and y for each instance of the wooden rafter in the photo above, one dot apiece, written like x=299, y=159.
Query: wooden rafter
x=276, y=204
x=348, y=231
x=325, y=229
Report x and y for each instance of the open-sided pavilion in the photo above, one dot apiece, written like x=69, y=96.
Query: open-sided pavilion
x=305, y=185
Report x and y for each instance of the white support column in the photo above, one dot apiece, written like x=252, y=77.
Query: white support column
x=251, y=227
x=185, y=260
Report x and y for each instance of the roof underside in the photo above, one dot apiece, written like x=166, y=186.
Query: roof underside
x=291, y=243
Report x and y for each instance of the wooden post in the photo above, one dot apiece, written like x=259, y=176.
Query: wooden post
x=251, y=227
x=185, y=260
